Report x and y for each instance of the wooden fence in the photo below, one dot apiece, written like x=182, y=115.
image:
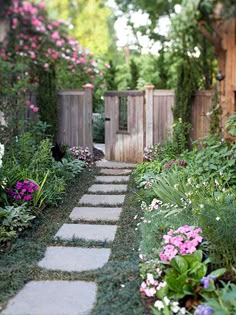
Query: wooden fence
x=159, y=114
x=74, y=117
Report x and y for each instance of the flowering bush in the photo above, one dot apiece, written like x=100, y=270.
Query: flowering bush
x=183, y=241
x=151, y=152
x=82, y=154
x=171, y=163
x=23, y=190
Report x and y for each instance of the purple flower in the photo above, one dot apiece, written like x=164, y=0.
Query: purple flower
x=204, y=310
x=206, y=281
x=27, y=198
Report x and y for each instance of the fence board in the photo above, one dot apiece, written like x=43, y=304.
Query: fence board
x=162, y=114
x=200, y=120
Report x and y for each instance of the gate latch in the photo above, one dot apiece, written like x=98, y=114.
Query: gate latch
x=107, y=119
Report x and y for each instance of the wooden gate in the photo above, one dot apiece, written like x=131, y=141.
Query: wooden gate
x=124, y=125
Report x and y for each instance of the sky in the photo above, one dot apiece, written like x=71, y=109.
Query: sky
x=125, y=35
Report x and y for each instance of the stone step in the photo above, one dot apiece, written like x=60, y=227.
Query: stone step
x=53, y=298
x=113, y=164
x=107, y=200
x=88, y=232
x=115, y=171
x=74, y=258
x=95, y=214
x=112, y=179
x=108, y=188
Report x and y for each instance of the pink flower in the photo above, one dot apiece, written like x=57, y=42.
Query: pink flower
x=28, y=103
x=55, y=35
x=46, y=65
x=32, y=106
x=35, y=109
x=27, y=198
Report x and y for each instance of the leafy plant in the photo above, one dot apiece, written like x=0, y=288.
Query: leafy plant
x=13, y=220
x=222, y=300
x=231, y=125
x=218, y=224
x=146, y=172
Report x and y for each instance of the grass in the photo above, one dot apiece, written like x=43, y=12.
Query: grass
x=118, y=281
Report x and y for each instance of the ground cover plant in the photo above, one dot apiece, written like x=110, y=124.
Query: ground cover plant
x=187, y=251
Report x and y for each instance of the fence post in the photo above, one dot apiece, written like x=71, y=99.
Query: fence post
x=149, y=114
x=88, y=110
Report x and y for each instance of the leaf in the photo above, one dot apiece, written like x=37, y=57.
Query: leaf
x=195, y=257
x=176, y=284
x=218, y=273
x=180, y=264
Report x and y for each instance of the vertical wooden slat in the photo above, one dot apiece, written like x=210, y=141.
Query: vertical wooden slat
x=149, y=114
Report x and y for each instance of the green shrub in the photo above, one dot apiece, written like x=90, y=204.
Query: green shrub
x=146, y=172
x=99, y=129
x=14, y=219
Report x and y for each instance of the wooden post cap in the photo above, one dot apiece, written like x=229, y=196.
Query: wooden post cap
x=88, y=85
x=149, y=86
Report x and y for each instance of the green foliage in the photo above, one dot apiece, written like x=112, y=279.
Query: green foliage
x=146, y=172
x=184, y=275
x=185, y=91
x=181, y=132
x=134, y=72
x=99, y=129
x=47, y=98
x=215, y=113
x=217, y=222
x=13, y=219
x=215, y=160
x=223, y=300
x=231, y=125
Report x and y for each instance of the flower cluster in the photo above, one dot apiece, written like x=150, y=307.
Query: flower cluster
x=23, y=190
x=170, y=163
x=151, y=285
x=182, y=241
x=82, y=154
x=40, y=41
x=172, y=305
x=151, y=152
x=34, y=108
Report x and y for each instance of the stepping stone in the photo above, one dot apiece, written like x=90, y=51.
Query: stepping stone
x=110, y=171
x=96, y=200
x=111, y=164
x=74, y=258
x=53, y=298
x=88, y=232
x=108, y=188
x=112, y=179
x=95, y=214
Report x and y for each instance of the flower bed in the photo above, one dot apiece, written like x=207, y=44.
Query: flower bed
x=188, y=247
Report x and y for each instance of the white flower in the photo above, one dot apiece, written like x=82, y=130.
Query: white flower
x=217, y=218
x=1, y=153
x=201, y=206
x=159, y=304
x=182, y=311
x=166, y=300
x=175, y=307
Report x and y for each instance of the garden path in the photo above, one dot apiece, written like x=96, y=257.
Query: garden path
x=93, y=220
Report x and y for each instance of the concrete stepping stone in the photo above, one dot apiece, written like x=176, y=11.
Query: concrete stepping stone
x=74, y=258
x=112, y=179
x=112, y=164
x=53, y=298
x=115, y=171
x=88, y=232
x=108, y=188
x=95, y=214
x=96, y=200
